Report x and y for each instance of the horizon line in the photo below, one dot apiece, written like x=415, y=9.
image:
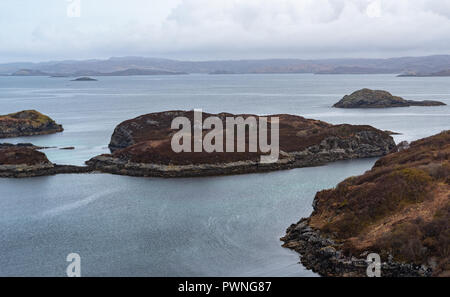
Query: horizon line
x=216, y=60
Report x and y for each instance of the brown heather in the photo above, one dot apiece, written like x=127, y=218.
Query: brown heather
x=21, y=156
x=400, y=207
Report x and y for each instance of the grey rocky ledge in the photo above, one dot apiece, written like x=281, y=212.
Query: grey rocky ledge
x=22, y=170
x=323, y=256
x=330, y=149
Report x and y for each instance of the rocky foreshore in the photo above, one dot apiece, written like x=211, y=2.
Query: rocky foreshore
x=367, y=98
x=141, y=147
x=324, y=256
x=21, y=171
x=113, y=165
x=27, y=123
x=399, y=209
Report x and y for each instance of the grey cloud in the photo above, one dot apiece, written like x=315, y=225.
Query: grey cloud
x=204, y=29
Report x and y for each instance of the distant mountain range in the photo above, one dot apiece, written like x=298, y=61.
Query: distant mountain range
x=122, y=66
x=127, y=72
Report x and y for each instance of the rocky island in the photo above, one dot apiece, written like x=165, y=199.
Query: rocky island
x=85, y=78
x=24, y=160
x=27, y=123
x=367, y=98
x=399, y=209
x=142, y=147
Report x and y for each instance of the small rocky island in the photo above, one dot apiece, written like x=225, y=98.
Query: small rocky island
x=399, y=209
x=142, y=147
x=27, y=123
x=367, y=98
x=24, y=160
x=84, y=79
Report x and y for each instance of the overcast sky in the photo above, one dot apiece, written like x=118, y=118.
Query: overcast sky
x=32, y=30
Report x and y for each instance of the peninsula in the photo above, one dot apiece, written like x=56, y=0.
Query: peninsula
x=399, y=209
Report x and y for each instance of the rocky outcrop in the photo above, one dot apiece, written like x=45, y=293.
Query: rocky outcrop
x=399, y=209
x=367, y=98
x=27, y=123
x=324, y=256
x=24, y=145
x=24, y=160
x=402, y=146
x=142, y=147
x=85, y=78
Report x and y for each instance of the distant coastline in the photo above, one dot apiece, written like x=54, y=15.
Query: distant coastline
x=126, y=72
x=443, y=73
x=437, y=65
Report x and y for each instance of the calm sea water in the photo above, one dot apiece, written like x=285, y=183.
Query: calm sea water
x=217, y=226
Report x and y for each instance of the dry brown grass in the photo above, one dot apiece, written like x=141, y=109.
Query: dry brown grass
x=400, y=207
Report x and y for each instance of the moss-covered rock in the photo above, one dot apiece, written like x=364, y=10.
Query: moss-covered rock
x=27, y=123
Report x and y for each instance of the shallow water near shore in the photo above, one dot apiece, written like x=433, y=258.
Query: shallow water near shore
x=215, y=226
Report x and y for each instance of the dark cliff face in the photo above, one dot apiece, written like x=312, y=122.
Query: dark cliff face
x=302, y=142
x=27, y=123
x=400, y=208
x=367, y=98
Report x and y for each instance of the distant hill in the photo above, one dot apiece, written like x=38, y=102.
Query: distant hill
x=222, y=72
x=29, y=72
x=140, y=72
x=142, y=65
x=357, y=70
x=126, y=72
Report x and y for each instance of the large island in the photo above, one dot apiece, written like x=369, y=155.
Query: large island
x=142, y=147
x=400, y=209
